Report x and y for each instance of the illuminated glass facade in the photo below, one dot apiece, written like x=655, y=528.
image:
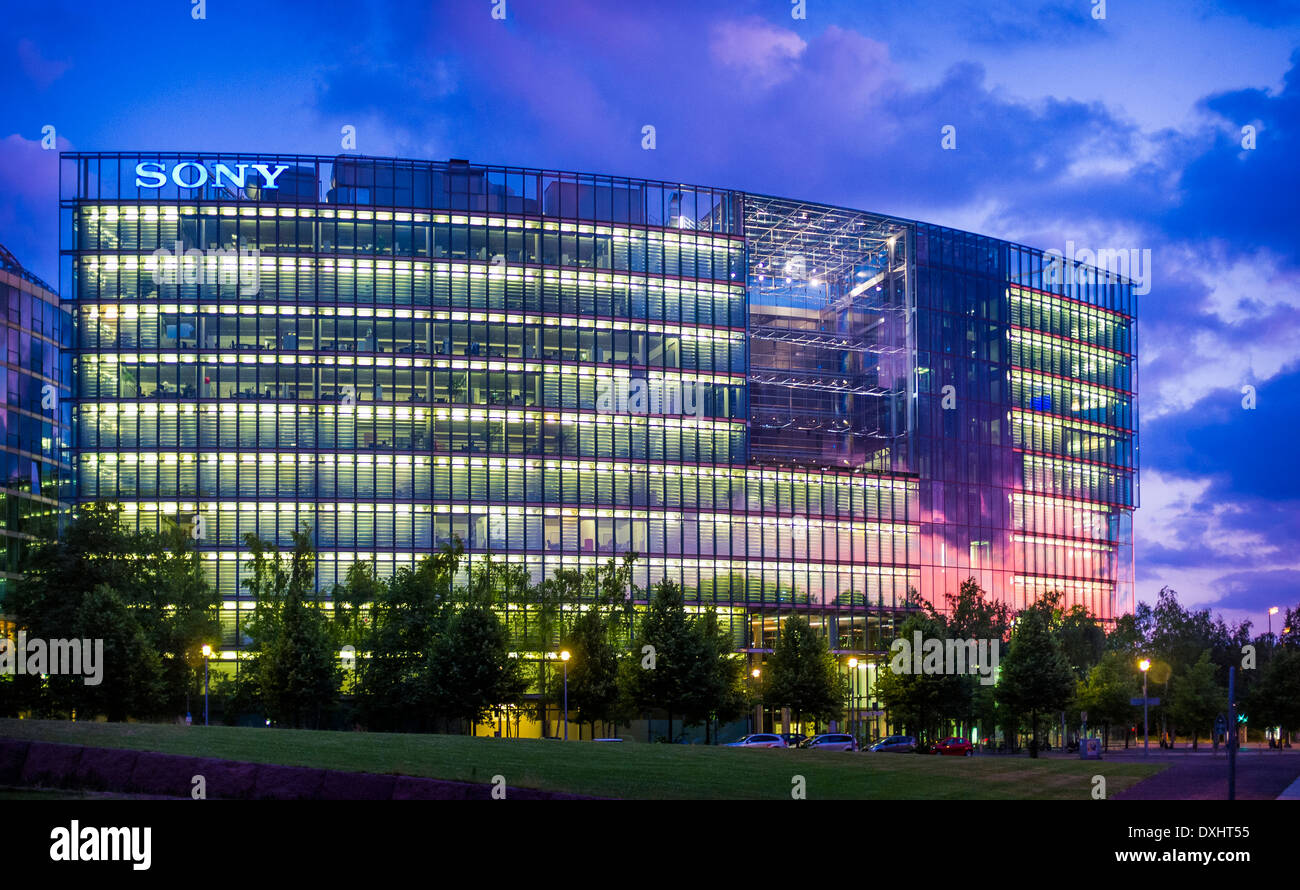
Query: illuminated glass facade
x=560, y=367
x=36, y=415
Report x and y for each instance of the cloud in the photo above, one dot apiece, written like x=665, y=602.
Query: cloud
x=760, y=54
x=39, y=70
x=29, y=214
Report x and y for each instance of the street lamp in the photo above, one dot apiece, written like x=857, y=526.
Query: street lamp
x=564, y=657
x=207, y=653
x=1145, y=665
x=1271, y=612
x=758, y=705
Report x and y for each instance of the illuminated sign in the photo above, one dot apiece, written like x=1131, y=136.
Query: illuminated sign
x=191, y=175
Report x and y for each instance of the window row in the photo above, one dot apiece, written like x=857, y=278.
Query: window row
x=639, y=251
x=1092, y=561
x=1066, y=359
x=700, y=350
x=1077, y=321
x=1045, y=434
x=623, y=436
x=1069, y=398
x=1054, y=476
x=609, y=394
x=310, y=477
x=482, y=287
x=667, y=536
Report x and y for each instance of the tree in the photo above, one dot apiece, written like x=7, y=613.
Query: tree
x=1036, y=676
x=1196, y=698
x=593, y=669
x=803, y=674
x=1082, y=639
x=717, y=691
x=1276, y=700
x=972, y=616
x=1106, y=692
x=293, y=660
x=410, y=610
x=131, y=673
x=471, y=668
x=152, y=582
x=663, y=682
x=921, y=702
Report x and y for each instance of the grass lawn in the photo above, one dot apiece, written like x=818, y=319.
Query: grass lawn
x=628, y=770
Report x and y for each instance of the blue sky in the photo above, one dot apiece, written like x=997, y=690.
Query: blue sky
x=1122, y=132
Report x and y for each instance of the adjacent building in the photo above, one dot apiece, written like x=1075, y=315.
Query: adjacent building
x=36, y=417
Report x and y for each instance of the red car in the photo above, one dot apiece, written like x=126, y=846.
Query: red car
x=954, y=747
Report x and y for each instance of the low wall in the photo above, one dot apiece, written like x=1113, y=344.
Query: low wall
x=51, y=765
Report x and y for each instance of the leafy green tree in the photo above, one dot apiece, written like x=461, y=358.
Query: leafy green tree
x=1036, y=676
x=921, y=702
x=1276, y=700
x=593, y=668
x=1196, y=698
x=396, y=688
x=717, y=692
x=471, y=667
x=132, y=670
x=96, y=563
x=1106, y=692
x=972, y=615
x=294, y=652
x=663, y=682
x=803, y=675
x=1083, y=640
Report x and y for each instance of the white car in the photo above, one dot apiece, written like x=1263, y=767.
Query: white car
x=832, y=741
x=758, y=740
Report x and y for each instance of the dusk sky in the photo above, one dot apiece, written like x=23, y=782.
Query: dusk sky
x=1124, y=132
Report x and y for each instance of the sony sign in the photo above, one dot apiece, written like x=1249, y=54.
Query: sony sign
x=189, y=175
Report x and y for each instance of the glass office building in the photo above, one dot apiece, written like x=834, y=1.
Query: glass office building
x=36, y=415
x=747, y=391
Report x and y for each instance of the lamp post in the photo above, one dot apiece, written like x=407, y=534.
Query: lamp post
x=758, y=705
x=207, y=653
x=1272, y=610
x=1145, y=665
x=564, y=657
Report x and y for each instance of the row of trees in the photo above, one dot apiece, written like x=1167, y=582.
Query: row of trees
x=431, y=648
x=143, y=593
x=1062, y=663
x=435, y=647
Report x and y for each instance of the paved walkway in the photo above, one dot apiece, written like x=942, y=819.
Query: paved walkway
x=1261, y=775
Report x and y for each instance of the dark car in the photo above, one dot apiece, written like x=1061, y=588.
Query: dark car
x=832, y=741
x=794, y=739
x=895, y=744
x=954, y=747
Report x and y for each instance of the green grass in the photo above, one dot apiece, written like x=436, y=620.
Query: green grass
x=627, y=770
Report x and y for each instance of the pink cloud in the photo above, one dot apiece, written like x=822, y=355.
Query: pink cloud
x=761, y=53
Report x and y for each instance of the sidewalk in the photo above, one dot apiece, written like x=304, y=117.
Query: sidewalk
x=1259, y=776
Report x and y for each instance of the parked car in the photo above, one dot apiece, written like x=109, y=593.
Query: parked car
x=758, y=740
x=895, y=744
x=794, y=739
x=954, y=747
x=832, y=741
